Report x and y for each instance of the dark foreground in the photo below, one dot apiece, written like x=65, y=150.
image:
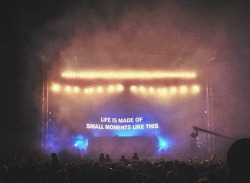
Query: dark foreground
x=80, y=170
x=50, y=169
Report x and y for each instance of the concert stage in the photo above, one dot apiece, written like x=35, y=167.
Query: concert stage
x=151, y=113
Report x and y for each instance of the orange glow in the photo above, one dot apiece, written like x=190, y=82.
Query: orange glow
x=128, y=75
x=195, y=89
x=99, y=89
x=91, y=90
x=173, y=90
x=120, y=88
x=111, y=88
x=142, y=89
x=183, y=89
x=164, y=90
x=133, y=88
x=76, y=89
x=56, y=87
x=86, y=90
x=158, y=90
x=67, y=88
x=151, y=90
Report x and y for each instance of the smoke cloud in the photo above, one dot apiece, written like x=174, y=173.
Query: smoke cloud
x=149, y=35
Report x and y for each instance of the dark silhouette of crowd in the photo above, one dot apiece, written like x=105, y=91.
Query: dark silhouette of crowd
x=131, y=169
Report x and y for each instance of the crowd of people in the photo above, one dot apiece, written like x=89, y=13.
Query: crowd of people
x=129, y=170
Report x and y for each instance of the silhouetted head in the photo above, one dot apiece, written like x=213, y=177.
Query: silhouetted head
x=171, y=175
x=203, y=180
x=238, y=157
x=54, y=156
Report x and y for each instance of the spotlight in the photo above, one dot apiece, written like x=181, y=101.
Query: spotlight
x=86, y=90
x=159, y=90
x=183, y=89
x=151, y=90
x=56, y=87
x=164, y=90
x=111, y=88
x=193, y=135
x=142, y=89
x=133, y=88
x=128, y=75
x=81, y=144
x=99, y=89
x=195, y=89
x=91, y=90
x=163, y=144
x=76, y=89
x=173, y=90
x=120, y=88
x=196, y=133
x=67, y=88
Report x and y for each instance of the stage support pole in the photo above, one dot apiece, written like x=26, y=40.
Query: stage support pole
x=45, y=98
x=209, y=106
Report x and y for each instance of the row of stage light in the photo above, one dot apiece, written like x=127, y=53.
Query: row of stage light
x=88, y=90
x=122, y=75
x=183, y=89
x=137, y=89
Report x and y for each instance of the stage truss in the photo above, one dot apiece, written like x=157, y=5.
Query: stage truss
x=138, y=82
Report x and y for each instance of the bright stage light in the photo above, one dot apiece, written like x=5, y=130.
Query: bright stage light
x=111, y=88
x=151, y=90
x=158, y=90
x=164, y=90
x=99, y=89
x=68, y=88
x=56, y=87
x=120, y=88
x=76, y=89
x=128, y=75
x=173, y=90
x=183, y=89
x=91, y=90
x=142, y=89
x=86, y=90
x=195, y=89
x=163, y=144
x=81, y=144
x=133, y=88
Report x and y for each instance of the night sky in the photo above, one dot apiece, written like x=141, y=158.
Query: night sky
x=167, y=34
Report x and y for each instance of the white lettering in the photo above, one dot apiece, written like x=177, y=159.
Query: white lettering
x=125, y=120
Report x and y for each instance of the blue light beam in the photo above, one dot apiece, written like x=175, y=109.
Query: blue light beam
x=163, y=144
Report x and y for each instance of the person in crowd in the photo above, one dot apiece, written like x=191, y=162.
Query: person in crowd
x=90, y=171
x=135, y=158
x=102, y=158
x=55, y=161
x=238, y=157
x=123, y=160
x=108, y=160
x=203, y=180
